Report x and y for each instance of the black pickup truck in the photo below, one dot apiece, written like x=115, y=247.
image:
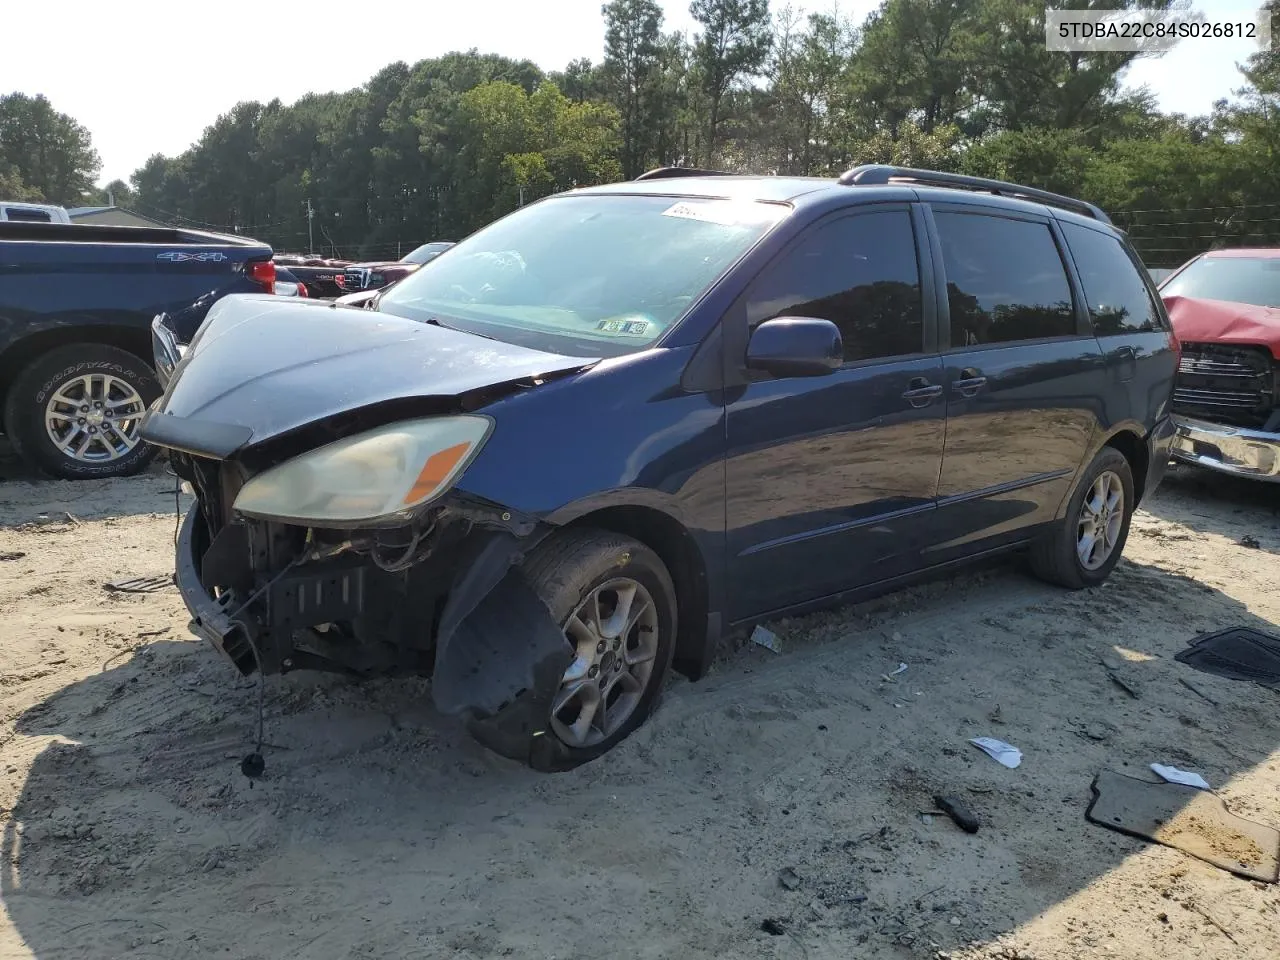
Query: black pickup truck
x=76, y=310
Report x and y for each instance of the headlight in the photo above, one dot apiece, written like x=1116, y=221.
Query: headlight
x=373, y=478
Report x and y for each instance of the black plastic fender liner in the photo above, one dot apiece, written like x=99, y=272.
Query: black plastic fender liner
x=496, y=639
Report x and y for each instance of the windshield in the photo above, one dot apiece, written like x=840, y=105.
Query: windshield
x=586, y=275
x=428, y=251
x=1253, y=280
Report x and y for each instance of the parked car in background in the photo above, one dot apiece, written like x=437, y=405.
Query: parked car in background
x=1225, y=307
x=375, y=274
x=619, y=421
x=12, y=212
x=288, y=285
x=321, y=277
x=75, y=357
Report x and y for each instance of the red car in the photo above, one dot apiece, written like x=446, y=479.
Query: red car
x=375, y=274
x=1225, y=308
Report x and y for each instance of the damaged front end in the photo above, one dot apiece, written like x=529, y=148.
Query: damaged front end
x=1226, y=399
x=441, y=595
x=329, y=531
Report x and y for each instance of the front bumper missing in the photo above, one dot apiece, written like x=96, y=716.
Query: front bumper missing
x=1233, y=450
x=498, y=655
x=210, y=617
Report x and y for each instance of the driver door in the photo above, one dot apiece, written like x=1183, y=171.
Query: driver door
x=832, y=480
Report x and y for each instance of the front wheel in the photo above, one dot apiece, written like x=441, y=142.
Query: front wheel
x=75, y=412
x=616, y=603
x=1088, y=541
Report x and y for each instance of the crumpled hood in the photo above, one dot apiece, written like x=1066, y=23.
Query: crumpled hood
x=1223, y=321
x=271, y=365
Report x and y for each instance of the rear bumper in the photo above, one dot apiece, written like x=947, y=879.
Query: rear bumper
x=1234, y=450
x=1159, y=450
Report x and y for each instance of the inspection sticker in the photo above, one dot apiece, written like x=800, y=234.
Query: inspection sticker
x=626, y=326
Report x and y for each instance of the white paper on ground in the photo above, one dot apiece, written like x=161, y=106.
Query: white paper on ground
x=767, y=639
x=1002, y=753
x=1186, y=777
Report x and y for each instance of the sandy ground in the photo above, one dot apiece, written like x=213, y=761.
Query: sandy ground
x=381, y=830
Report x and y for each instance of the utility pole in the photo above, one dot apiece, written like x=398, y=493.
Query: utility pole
x=311, y=241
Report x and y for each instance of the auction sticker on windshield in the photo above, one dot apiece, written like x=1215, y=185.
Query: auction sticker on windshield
x=726, y=213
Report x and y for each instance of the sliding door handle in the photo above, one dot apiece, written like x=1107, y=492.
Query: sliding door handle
x=970, y=382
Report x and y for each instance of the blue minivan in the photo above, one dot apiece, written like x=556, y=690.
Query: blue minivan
x=623, y=420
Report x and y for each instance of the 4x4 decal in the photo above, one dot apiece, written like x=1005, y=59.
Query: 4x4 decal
x=178, y=256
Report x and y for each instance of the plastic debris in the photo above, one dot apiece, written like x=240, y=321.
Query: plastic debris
x=1002, y=753
x=1185, y=777
x=958, y=810
x=888, y=677
x=767, y=639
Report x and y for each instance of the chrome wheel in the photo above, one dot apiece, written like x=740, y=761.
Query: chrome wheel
x=615, y=634
x=94, y=418
x=1101, y=519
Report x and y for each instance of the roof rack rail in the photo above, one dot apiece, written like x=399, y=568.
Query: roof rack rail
x=875, y=174
x=664, y=173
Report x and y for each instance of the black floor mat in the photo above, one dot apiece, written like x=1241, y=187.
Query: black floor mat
x=1194, y=821
x=1240, y=653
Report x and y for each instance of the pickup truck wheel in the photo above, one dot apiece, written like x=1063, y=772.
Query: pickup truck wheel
x=75, y=412
x=617, y=605
x=1088, y=541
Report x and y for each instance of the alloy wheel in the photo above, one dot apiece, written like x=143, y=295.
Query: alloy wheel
x=1101, y=519
x=614, y=632
x=94, y=418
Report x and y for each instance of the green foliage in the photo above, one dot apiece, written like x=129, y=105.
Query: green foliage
x=435, y=149
x=44, y=153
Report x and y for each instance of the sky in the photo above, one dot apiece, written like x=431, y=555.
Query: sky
x=147, y=77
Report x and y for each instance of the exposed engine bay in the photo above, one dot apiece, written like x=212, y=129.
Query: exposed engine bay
x=440, y=596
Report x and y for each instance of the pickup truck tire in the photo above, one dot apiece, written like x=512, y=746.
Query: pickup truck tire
x=1086, y=545
x=88, y=378
x=592, y=582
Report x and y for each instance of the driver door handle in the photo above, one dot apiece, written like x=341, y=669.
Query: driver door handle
x=921, y=392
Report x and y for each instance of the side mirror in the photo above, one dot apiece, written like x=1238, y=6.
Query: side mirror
x=795, y=347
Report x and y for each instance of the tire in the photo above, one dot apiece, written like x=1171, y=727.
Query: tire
x=565, y=571
x=1057, y=558
x=31, y=399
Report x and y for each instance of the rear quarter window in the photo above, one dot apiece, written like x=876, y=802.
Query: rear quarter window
x=1119, y=301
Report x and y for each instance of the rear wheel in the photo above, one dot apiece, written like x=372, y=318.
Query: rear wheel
x=1089, y=540
x=615, y=601
x=75, y=412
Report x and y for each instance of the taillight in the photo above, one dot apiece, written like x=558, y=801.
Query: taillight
x=302, y=289
x=262, y=272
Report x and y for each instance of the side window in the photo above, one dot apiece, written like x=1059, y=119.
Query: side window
x=861, y=274
x=28, y=216
x=1005, y=280
x=1118, y=299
